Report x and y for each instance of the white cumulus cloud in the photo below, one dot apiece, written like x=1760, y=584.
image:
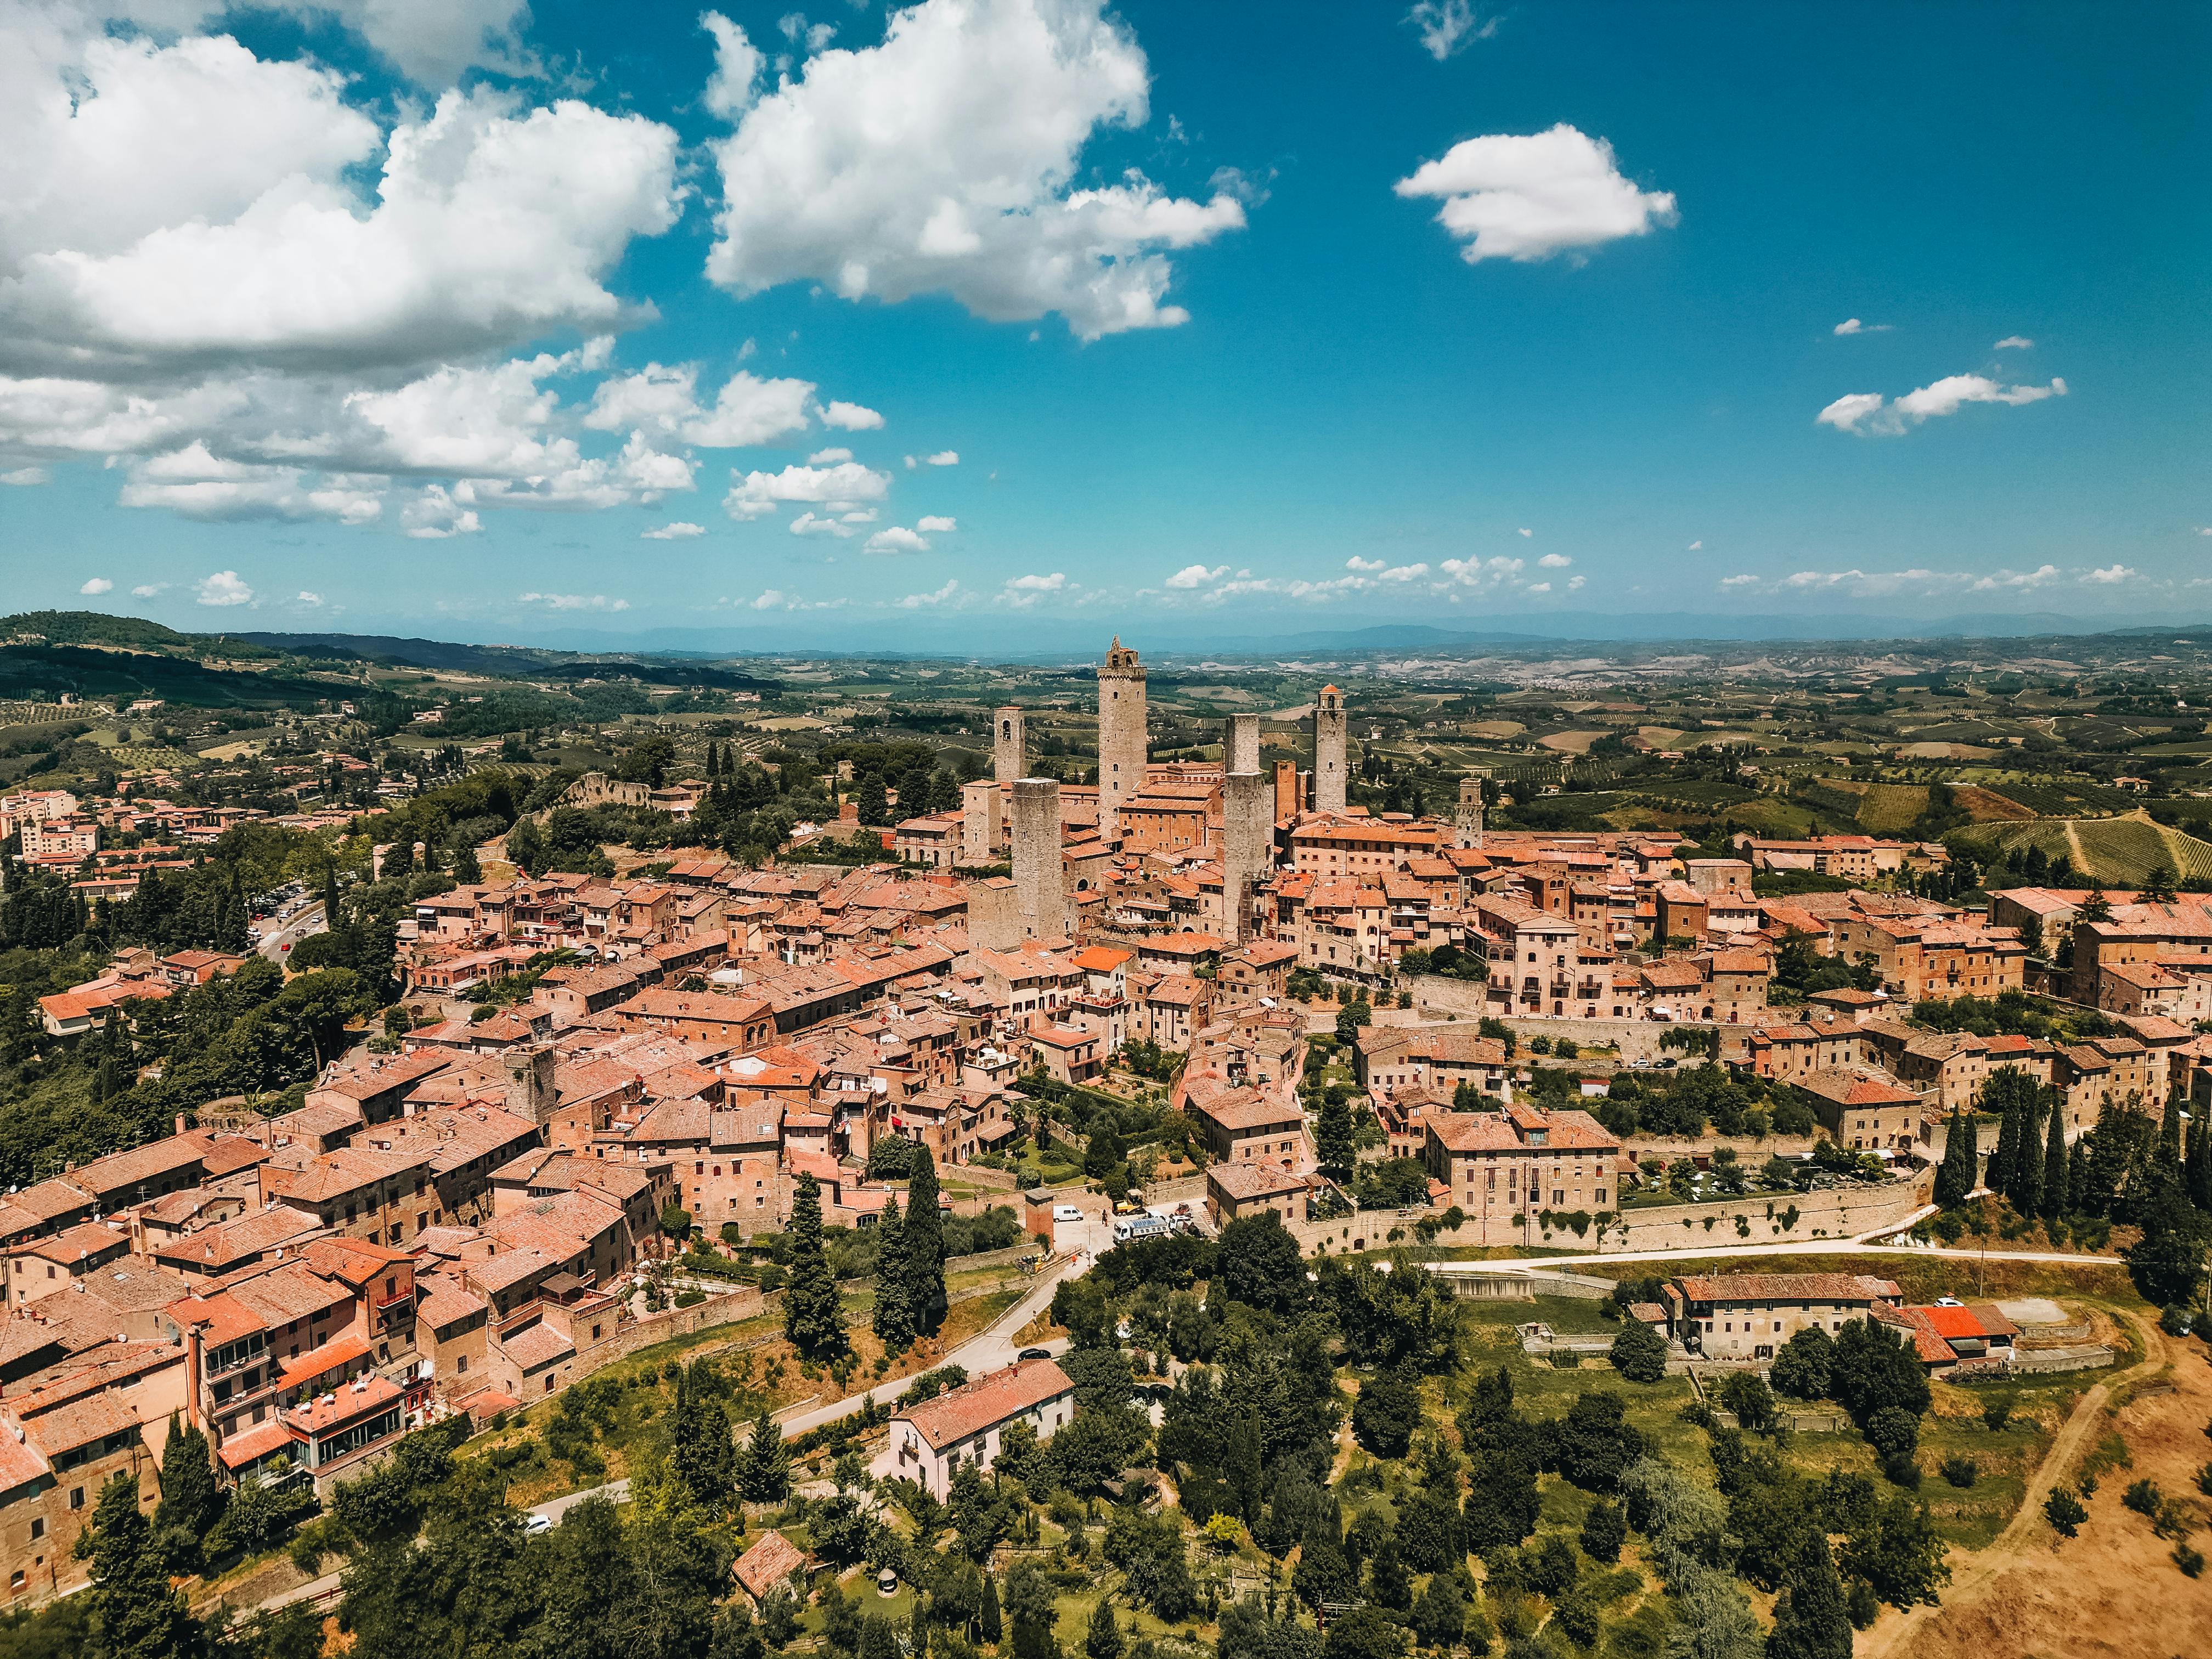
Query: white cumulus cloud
x=2013, y=342
x=97, y=585
x=829, y=457
x=310, y=600
x=1871, y=413
x=1023, y=592
x=24, y=475
x=850, y=417
x=757, y=494
x=492, y=223
x=1744, y=580
x=943, y=458
x=433, y=515
x=896, y=538
x=943, y=160
x=677, y=531
x=1853, y=325
x=223, y=588
x=1555, y=561
x=933, y=525
x=1526, y=197
x=2109, y=575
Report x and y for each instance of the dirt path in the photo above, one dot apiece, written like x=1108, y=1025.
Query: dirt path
x=2110, y=1591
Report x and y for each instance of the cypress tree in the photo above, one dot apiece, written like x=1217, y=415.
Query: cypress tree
x=2000, y=1176
x=925, y=1243
x=1954, y=1176
x=189, y=1497
x=2077, y=1177
x=811, y=1317
x=2169, y=1132
x=1810, y=1620
x=2197, y=1172
x=701, y=1451
x=894, y=1318
x=2054, y=1161
x=988, y=1625
x=2026, y=1189
x=140, y=1617
x=765, y=1475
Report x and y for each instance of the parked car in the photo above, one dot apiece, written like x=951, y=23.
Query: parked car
x=1034, y=1354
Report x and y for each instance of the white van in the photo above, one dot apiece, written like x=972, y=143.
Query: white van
x=1066, y=1213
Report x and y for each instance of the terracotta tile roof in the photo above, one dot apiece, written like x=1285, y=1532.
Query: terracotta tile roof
x=1927, y=1342
x=541, y=1344
x=768, y=1564
x=257, y=1442
x=989, y=1399
x=1788, y=1287
x=1242, y=1182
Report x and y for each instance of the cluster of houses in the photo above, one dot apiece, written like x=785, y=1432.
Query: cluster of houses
x=455, y=1224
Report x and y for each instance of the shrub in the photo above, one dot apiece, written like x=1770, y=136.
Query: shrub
x=2204, y=1480
x=2191, y=1561
x=2143, y=1496
x=2064, y=1512
x=1960, y=1471
x=1860, y=1605
x=1893, y=1432
x=1996, y=1413
x=1639, y=1353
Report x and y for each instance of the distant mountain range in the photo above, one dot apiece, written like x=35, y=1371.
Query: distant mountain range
x=583, y=653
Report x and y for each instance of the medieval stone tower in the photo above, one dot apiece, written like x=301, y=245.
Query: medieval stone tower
x=1467, y=821
x=1121, y=735
x=1328, y=750
x=1247, y=825
x=1008, y=760
x=1040, y=871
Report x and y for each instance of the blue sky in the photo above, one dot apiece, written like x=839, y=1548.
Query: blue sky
x=366, y=345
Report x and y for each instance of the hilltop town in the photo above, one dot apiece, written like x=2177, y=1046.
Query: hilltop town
x=361, y=1090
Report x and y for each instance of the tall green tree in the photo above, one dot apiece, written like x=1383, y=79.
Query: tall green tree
x=1103, y=1640
x=190, y=1498
x=1960, y=1168
x=700, y=1452
x=2169, y=1132
x=812, y=1320
x=1810, y=1620
x=925, y=1243
x=873, y=800
x=2025, y=1185
x=1333, y=1140
x=2054, y=1161
x=764, y=1475
x=894, y=1321
x=139, y=1616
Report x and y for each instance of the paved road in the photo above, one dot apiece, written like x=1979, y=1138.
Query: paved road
x=1079, y=1243
x=302, y=923
x=1856, y=1245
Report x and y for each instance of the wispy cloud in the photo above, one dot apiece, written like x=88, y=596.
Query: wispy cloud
x=1853, y=325
x=678, y=531
x=1449, y=28
x=574, y=601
